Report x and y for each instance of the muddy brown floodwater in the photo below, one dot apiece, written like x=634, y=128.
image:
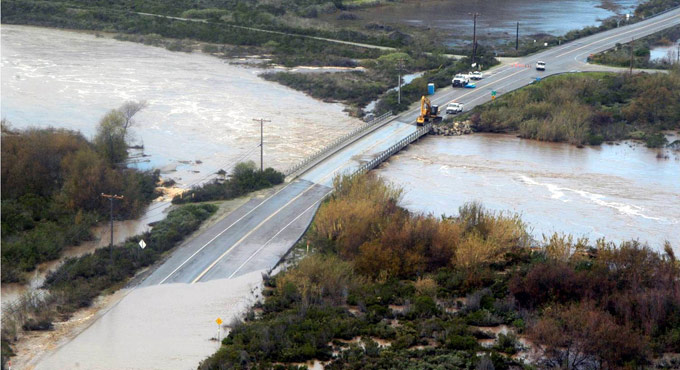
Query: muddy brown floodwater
x=201, y=109
x=620, y=191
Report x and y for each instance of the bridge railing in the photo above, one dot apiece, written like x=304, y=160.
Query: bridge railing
x=393, y=149
x=333, y=145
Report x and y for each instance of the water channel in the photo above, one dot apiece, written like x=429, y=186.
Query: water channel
x=620, y=191
x=201, y=109
x=498, y=18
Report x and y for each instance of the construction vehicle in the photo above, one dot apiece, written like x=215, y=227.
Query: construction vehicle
x=428, y=112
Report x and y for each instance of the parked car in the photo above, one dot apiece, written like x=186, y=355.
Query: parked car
x=476, y=75
x=540, y=66
x=454, y=108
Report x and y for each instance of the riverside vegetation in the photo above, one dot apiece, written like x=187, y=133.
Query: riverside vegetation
x=386, y=288
x=642, y=11
x=620, y=55
x=357, y=89
x=245, y=178
x=588, y=108
x=78, y=281
x=51, y=185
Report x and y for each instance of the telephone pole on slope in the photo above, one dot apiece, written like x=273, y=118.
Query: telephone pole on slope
x=474, y=36
x=631, y=55
x=262, y=121
x=111, y=198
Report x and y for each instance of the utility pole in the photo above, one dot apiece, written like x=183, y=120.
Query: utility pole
x=517, y=38
x=111, y=198
x=474, y=35
x=400, y=67
x=262, y=121
x=631, y=55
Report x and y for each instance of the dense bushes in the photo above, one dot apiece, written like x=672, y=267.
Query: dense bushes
x=120, y=16
x=580, y=305
x=620, y=54
x=361, y=222
x=79, y=280
x=83, y=278
x=588, y=108
x=350, y=87
x=244, y=179
x=52, y=182
x=380, y=75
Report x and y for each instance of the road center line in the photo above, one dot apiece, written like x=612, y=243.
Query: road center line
x=200, y=276
x=275, y=235
x=618, y=35
x=222, y=232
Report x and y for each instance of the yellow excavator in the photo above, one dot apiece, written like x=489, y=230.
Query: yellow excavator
x=428, y=112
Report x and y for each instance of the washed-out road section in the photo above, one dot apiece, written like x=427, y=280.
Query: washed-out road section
x=257, y=235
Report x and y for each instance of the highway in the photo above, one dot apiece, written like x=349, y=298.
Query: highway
x=258, y=234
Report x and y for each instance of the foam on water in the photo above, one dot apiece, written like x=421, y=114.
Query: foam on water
x=200, y=108
x=620, y=192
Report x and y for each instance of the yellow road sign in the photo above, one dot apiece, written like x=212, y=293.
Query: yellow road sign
x=218, y=321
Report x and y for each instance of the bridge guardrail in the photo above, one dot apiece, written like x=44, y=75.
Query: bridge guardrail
x=393, y=149
x=323, y=151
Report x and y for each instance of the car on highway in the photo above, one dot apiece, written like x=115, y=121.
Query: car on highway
x=460, y=80
x=540, y=65
x=454, y=108
x=476, y=75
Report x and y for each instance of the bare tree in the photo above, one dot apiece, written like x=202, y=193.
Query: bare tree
x=128, y=110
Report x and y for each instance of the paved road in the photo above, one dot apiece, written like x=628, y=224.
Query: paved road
x=255, y=236
x=259, y=233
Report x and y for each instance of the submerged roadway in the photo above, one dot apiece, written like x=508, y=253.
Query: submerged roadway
x=258, y=234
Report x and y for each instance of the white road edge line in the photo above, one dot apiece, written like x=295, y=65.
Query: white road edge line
x=222, y=232
x=200, y=276
x=275, y=235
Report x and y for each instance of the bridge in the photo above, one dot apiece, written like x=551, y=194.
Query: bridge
x=258, y=234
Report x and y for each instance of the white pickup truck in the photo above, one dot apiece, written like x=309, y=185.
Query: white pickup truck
x=476, y=75
x=460, y=80
x=454, y=108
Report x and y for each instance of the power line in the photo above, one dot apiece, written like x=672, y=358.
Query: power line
x=262, y=121
x=111, y=198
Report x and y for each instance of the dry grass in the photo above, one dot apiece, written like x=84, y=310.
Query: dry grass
x=426, y=286
x=363, y=223
x=562, y=247
x=318, y=278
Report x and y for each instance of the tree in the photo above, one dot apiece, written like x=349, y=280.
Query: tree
x=581, y=336
x=110, y=139
x=129, y=109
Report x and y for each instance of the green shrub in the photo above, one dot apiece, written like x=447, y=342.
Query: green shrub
x=244, y=179
x=656, y=140
x=79, y=280
x=462, y=343
x=587, y=108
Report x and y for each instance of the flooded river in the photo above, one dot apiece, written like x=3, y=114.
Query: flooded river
x=618, y=191
x=201, y=109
